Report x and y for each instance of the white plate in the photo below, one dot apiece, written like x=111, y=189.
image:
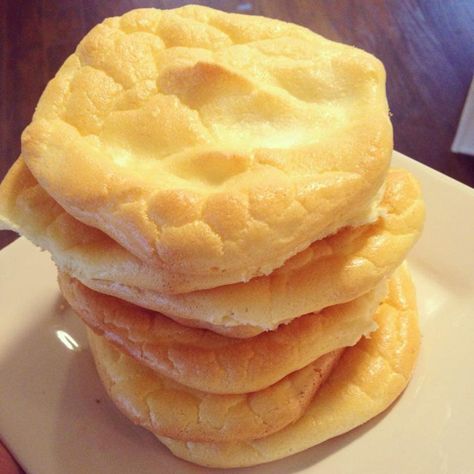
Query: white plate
x=55, y=417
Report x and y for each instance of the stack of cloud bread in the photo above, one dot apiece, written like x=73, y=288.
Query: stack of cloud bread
x=216, y=194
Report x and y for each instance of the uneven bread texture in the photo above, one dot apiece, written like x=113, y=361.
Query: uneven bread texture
x=367, y=379
x=209, y=144
x=79, y=249
x=213, y=363
x=170, y=409
x=331, y=271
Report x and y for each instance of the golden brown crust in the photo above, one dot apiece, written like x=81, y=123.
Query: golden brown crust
x=213, y=363
x=270, y=137
x=76, y=248
x=171, y=409
x=331, y=271
x=367, y=379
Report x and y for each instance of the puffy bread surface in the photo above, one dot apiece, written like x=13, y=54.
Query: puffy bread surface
x=212, y=144
x=79, y=249
x=210, y=362
x=331, y=271
x=367, y=379
x=84, y=251
x=171, y=409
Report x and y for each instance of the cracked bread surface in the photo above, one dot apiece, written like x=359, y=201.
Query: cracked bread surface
x=210, y=362
x=168, y=408
x=367, y=379
x=331, y=271
x=212, y=144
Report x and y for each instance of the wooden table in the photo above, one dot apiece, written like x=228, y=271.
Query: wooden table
x=427, y=48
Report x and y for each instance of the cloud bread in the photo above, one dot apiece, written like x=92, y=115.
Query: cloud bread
x=171, y=409
x=331, y=271
x=79, y=249
x=212, y=144
x=213, y=363
x=367, y=379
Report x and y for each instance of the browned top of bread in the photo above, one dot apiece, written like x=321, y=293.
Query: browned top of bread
x=331, y=271
x=212, y=144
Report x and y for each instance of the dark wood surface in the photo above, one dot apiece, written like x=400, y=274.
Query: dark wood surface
x=427, y=48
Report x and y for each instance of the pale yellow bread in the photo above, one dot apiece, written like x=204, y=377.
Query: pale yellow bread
x=171, y=409
x=367, y=379
x=76, y=248
x=331, y=271
x=79, y=249
x=213, y=363
x=212, y=145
